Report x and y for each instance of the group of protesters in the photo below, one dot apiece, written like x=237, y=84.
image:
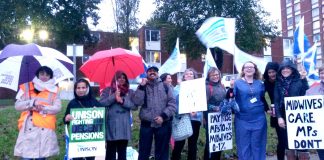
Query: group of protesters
x=158, y=102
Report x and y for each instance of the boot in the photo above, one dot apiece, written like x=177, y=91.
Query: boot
x=303, y=156
x=291, y=155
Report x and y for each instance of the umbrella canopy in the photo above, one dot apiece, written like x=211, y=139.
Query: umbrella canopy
x=18, y=64
x=101, y=67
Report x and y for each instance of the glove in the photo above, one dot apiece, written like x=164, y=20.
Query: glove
x=234, y=106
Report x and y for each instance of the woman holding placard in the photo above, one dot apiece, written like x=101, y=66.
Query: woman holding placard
x=289, y=83
x=318, y=89
x=195, y=118
x=250, y=122
x=82, y=99
x=215, y=93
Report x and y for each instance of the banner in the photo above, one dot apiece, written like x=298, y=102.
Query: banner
x=192, y=96
x=87, y=132
x=220, y=131
x=304, y=118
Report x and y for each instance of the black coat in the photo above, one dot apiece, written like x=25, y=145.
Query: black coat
x=297, y=87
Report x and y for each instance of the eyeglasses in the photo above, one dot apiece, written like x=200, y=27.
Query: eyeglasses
x=249, y=67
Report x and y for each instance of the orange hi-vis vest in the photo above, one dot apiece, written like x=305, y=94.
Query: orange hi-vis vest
x=46, y=98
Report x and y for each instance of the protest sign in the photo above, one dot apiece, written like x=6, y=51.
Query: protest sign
x=220, y=135
x=304, y=117
x=192, y=96
x=87, y=132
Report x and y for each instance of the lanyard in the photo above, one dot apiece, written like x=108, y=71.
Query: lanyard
x=250, y=87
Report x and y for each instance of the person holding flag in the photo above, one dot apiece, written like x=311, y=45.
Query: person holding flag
x=289, y=84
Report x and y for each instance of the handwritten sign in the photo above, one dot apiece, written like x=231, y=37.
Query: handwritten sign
x=87, y=132
x=220, y=131
x=192, y=96
x=304, y=118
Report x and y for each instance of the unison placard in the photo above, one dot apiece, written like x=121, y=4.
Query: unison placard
x=304, y=117
x=87, y=132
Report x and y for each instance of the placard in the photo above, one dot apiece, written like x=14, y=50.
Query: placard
x=192, y=96
x=304, y=119
x=220, y=131
x=87, y=132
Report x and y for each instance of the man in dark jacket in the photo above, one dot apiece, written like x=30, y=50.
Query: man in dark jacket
x=157, y=109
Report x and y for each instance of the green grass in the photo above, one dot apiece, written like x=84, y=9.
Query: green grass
x=9, y=132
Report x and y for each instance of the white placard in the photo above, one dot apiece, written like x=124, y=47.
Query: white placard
x=192, y=96
x=220, y=135
x=304, y=118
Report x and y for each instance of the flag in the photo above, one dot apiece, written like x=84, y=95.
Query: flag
x=241, y=57
x=301, y=43
x=309, y=63
x=218, y=32
x=173, y=64
x=304, y=51
x=143, y=75
x=209, y=62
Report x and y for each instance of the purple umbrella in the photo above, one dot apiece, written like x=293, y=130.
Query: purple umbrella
x=18, y=64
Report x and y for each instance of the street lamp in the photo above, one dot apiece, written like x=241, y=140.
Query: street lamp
x=27, y=35
x=43, y=35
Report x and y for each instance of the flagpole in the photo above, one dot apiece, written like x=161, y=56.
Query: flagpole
x=233, y=67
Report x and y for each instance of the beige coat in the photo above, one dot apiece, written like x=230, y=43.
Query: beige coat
x=32, y=141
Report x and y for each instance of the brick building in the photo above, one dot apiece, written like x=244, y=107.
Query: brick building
x=312, y=11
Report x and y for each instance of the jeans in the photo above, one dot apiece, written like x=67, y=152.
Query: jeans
x=161, y=137
x=192, y=144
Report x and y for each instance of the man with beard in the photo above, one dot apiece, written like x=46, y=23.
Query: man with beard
x=157, y=109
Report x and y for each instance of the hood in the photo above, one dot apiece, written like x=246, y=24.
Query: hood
x=270, y=65
x=290, y=64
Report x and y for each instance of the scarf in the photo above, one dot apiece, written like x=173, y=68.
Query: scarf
x=285, y=81
x=41, y=86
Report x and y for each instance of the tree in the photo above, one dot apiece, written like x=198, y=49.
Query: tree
x=65, y=20
x=125, y=18
x=185, y=17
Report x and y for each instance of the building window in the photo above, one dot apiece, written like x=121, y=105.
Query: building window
x=297, y=7
x=289, y=22
x=315, y=13
x=316, y=37
x=288, y=2
x=152, y=35
x=289, y=11
x=318, y=50
x=153, y=57
x=290, y=33
x=314, y=1
x=316, y=27
x=296, y=1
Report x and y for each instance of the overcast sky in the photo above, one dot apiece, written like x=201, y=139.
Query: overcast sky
x=146, y=8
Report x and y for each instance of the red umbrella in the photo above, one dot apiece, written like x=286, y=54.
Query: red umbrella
x=101, y=67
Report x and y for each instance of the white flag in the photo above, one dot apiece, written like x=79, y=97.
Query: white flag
x=173, y=64
x=241, y=57
x=218, y=32
x=209, y=62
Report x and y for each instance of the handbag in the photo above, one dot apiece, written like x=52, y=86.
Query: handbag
x=181, y=127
